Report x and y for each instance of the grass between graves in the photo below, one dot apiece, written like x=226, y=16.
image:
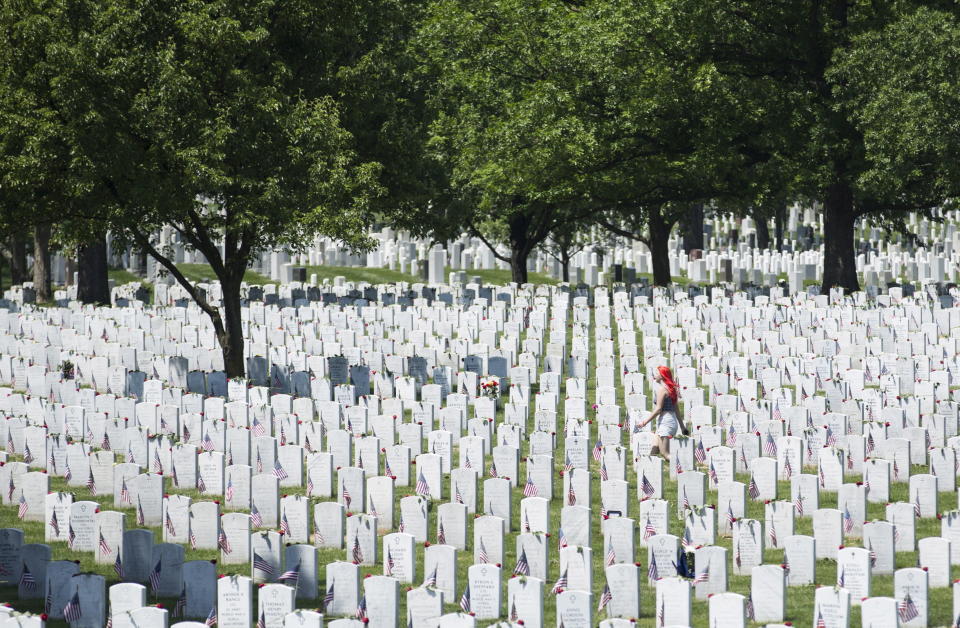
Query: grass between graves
x=799, y=600
x=203, y=273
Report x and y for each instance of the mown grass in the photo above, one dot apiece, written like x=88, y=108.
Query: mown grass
x=799, y=600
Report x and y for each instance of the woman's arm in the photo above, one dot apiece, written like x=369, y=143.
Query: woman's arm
x=661, y=396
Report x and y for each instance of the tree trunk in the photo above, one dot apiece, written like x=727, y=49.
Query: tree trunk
x=520, y=246
x=763, y=232
x=660, y=247
x=693, y=228
x=565, y=265
x=839, y=257
x=778, y=219
x=92, y=279
x=18, y=259
x=231, y=339
x=41, y=262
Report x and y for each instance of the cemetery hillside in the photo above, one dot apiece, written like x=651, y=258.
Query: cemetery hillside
x=500, y=313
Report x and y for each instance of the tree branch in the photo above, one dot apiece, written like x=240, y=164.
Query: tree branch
x=477, y=233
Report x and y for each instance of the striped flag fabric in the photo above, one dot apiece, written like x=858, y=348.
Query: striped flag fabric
x=291, y=576
x=55, y=524
x=357, y=552
x=125, y=493
x=155, y=578
x=23, y=508
x=647, y=487
x=699, y=453
x=753, y=489
x=648, y=530
x=278, y=471
x=530, y=489
x=72, y=611
x=256, y=519
x=465, y=599
x=224, y=543
x=229, y=493
x=431, y=579
x=362, y=608
x=262, y=621
x=441, y=534
x=422, y=488
x=653, y=574
x=611, y=558
x=27, y=581
x=482, y=557
x=750, y=614
x=388, y=564
x=212, y=617
x=346, y=496
x=731, y=436
x=71, y=535
x=560, y=584
x=259, y=461
x=798, y=504
x=571, y=495
x=207, y=443
x=847, y=521
x=328, y=598
x=285, y=523
x=522, y=567
x=261, y=564
x=597, y=450
x=181, y=606
x=605, y=598
x=562, y=538
x=907, y=609
x=104, y=546
x=91, y=483
x=141, y=518
x=201, y=485
x=603, y=470
x=171, y=530
x=703, y=576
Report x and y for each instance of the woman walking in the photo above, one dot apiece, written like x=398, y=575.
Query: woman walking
x=665, y=410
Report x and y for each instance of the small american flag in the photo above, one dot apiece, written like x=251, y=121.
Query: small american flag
x=567, y=465
x=11, y=448
x=749, y=611
x=605, y=598
x=483, y=558
x=769, y=446
x=731, y=436
x=212, y=617
x=104, y=546
x=173, y=473
x=431, y=579
x=653, y=574
x=916, y=507
x=647, y=487
x=362, y=608
x=871, y=444
x=820, y=622
x=357, y=552
x=346, y=496
x=23, y=508
x=72, y=612
x=422, y=487
x=388, y=564
x=193, y=539
x=155, y=578
x=677, y=466
x=328, y=598
x=258, y=429
x=841, y=579
x=787, y=467
x=465, y=599
x=522, y=567
x=181, y=606
x=291, y=576
x=262, y=565
x=262, y=622
x=28, y=456
x=773, y=535
x=68, y=474
x=729, y=514
x=118, y=567
x=171, y=530
x=55, y=524
x=597, y=451
x=611, y=555
x=514, y=616
x=11, y=488
x=230, y=455
x=224, y=543
x=699, y=453
x=106, y=442
x=686, y=501
x=562, y=538
x=714, y=478
x=798, y=504
x=91, y=483
x=230, y=490
x=530, y=489
x=753, y=489
x=306, y=443
x=459, y=495
x=309, y=485
x=661, y=613
x=703, y=576
x=125, y=493
x=141, y=518
x=441, y=535
x=27, y=581
x=157, y=463
x=560, y=584
x=285, y=524
x=207, y=443
x=278, y=471
x=256, y=519
x=71, y=535
x=648, y=530
x=603, y=470
x=493, y=469
x=872, y=554
x=387, y=471
x=259, y=461
x=847, y=521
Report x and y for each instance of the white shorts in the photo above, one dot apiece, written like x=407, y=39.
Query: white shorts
x=667, y=424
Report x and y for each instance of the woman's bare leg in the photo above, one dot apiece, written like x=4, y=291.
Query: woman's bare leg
x=663, y=443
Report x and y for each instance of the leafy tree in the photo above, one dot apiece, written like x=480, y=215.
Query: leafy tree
x=220, y=118
x=780, y=57
x=903, y=86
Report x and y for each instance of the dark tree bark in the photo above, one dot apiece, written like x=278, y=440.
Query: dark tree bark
x=92, y=279
x=565, y=265
x=520, y=246
x=231, y=334
x=778, y=220
x=693, y=228
x=660, y=246
x=41, y=262
x=763, y=232
x=839, y=258
x=18, y=259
